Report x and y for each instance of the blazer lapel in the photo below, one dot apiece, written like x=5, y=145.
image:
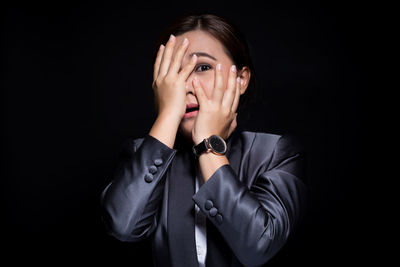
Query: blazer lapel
x=234, y=147
x=180, y=225
x=181, y=212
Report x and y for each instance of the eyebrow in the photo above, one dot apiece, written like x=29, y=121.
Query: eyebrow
x=203, y=54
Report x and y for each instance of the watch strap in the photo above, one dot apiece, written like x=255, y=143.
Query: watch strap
x=200, y=148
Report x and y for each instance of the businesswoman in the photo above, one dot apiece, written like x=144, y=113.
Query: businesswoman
x=205, y=193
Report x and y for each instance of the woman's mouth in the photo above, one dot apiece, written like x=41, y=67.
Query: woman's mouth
x=191, y=110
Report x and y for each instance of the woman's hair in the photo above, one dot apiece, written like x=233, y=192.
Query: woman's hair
x=233, y=41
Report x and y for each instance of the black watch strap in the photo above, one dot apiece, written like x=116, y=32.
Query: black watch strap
x=200, y=148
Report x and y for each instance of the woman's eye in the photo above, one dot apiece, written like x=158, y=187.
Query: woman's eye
x=203, y=67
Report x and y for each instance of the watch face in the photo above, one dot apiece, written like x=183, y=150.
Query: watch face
x=217, y=144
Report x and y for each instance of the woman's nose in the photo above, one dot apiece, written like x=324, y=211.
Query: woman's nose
x=189, y=86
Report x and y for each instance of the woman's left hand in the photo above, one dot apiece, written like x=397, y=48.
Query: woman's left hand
x=218, y=114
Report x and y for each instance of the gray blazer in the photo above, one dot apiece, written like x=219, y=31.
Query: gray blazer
x=252, y=204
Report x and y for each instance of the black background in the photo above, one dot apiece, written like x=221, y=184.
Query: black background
x=76, y=82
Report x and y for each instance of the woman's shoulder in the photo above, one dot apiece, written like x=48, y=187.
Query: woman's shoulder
x=260, y=136
x=273, y=149
x=287, y=142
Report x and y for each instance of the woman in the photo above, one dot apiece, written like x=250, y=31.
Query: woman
x=205, y=193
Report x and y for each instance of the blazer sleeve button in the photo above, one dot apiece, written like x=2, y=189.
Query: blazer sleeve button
x=152, y=169
x=148, y=177
x=209, y=204
x=213, y=212
x=158, y=162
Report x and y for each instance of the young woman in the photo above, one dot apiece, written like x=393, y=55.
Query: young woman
x=205, y=193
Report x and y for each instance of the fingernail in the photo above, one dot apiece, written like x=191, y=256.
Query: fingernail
x=161, y=47
x=171, y=37
x=185, y=41
x=233, y=68
x=238, y=79
x=219, y=66
x=194, y=58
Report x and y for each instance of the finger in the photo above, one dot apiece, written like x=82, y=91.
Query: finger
x=237, y=94
x=218, y=84
x=229, y=94
x=201, y=96
x=166, y=58
x=177, y=59
x=185, y=72
x=158, y=61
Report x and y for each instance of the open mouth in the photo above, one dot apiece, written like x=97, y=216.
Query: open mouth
x=191, y=111
x=191, y=108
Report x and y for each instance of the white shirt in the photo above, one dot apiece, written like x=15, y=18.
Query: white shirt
x=200, y=227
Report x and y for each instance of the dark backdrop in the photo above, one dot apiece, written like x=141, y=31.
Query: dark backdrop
x=76, y=82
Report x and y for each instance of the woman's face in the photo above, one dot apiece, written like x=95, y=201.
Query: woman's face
x=210, y=52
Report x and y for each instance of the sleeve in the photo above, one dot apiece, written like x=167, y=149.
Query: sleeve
x=130, y=202
x=256, y=222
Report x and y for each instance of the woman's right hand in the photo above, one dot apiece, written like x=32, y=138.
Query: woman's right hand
x=168, y=81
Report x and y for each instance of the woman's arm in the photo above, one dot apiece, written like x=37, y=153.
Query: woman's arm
x=131, y=201
x=209, y=163
x=165, y=128
x=256, y=222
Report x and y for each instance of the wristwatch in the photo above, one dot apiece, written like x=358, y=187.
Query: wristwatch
x=214, y=143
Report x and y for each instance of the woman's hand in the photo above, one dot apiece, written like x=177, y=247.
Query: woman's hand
x=218, y=114
x=168, y=84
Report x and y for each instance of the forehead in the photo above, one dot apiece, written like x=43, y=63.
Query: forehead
x=201, y=41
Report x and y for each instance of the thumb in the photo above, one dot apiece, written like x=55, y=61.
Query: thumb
x=201, y=97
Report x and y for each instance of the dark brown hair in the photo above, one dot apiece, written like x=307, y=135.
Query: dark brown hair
x=234, y=43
